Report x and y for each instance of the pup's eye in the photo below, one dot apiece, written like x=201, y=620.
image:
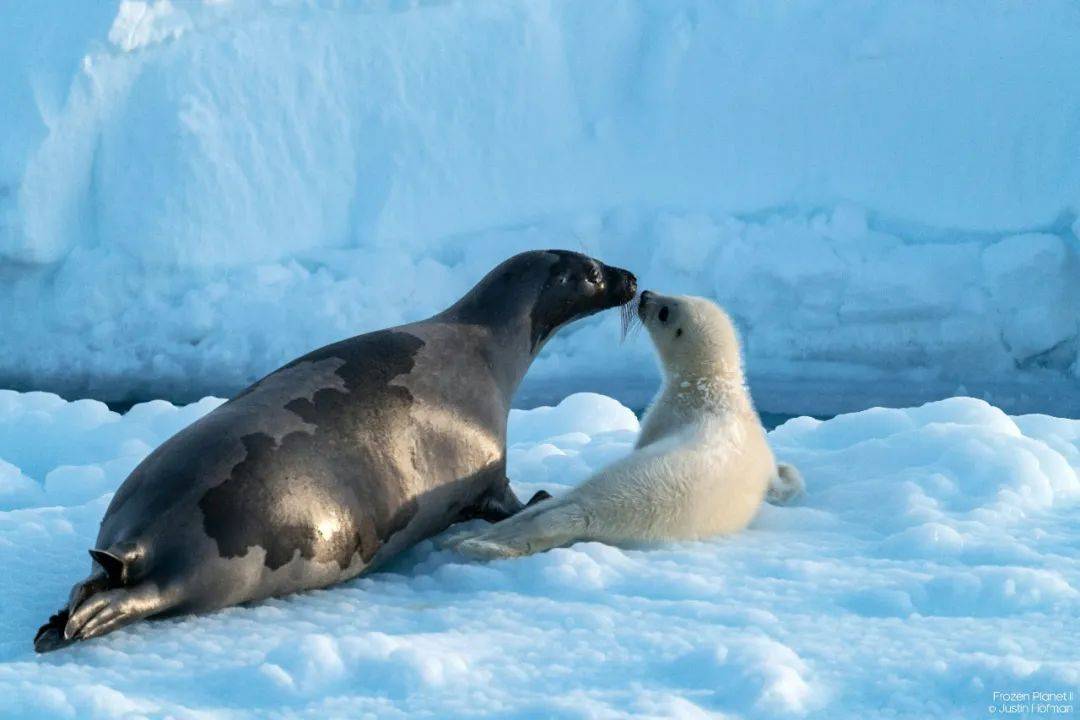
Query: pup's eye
x=678, y=333
x=592, y=275
x=663, y=314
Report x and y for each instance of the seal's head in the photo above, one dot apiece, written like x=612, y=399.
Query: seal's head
x=576, y=286
x=693, y=336
x=544, y=290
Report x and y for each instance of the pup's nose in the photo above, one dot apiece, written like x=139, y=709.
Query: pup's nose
x=643, y=304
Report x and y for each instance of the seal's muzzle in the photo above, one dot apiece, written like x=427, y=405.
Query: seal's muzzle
x=622, y=285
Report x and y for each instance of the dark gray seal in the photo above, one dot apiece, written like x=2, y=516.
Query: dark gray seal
x=337, y=461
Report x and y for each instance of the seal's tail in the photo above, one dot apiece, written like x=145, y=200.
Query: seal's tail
x=109, y=598
x=787, y=486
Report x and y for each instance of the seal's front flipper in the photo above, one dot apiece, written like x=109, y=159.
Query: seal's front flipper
x=50, y=636
x=497, y=504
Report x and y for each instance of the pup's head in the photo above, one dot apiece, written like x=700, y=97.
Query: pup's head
x=693, y=336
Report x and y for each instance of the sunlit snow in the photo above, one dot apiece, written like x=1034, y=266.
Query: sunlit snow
x=933, y=561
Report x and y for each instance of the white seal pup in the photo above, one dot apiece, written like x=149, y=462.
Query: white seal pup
x=701, y=465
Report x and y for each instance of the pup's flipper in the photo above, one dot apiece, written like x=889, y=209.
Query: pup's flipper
x=538, y=529
x=787, y=486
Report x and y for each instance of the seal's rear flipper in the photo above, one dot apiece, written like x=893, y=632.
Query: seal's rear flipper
x=50, y=636
x=114, y=569
x=112, y=609
x=112, y=564
x=539, y=496
x=119, y=561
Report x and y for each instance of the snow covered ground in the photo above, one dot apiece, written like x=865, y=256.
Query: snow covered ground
x=935, y=560
x=885, y=193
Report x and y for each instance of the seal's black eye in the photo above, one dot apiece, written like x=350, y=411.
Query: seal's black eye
x=678, y=333
x=663, y=314
x=592, y=275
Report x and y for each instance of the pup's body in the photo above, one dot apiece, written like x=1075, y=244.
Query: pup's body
x=701, y=466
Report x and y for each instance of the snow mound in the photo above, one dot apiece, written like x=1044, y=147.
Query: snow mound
x=885, y=194
x=932, y=562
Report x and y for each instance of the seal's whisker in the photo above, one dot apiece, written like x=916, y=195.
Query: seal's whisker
x=628, y=314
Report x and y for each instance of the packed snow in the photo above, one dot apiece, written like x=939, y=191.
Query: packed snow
x=884, y=193
x=934, y=561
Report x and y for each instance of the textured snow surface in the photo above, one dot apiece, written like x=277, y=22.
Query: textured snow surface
x=884, y=193
x=933, y=562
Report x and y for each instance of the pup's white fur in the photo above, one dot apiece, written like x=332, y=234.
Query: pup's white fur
x=701, y=465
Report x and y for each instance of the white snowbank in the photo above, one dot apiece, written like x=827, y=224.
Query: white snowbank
x=885, y=193
x=933, y=562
